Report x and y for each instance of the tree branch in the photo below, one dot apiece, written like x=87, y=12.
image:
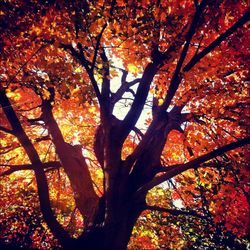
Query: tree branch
x=74, y=165
x=123, y=88
x=138, y=131
x=6, y=130
x=85, y=63
x=175, y=212
x=179, y=168
x=144, y=83
x=42, y=185
x=143, y=88
x=218, y=41
x=98, y=41
x=26, y=62
x=176, y=79
x=162, y=124
x=105, y=105
x=15, y=168
x=99, y=37
x=139, y=100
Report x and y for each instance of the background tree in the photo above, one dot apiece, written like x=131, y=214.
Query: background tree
x=112, y=108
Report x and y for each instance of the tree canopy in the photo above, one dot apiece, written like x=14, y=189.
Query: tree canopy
x=124, y=124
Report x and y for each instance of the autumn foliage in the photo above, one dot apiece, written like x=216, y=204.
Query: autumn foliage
x=124, y=124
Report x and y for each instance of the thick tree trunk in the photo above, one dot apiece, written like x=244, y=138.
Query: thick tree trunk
x=113, y=236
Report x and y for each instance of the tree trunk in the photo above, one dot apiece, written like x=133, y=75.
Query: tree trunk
x=113, y=236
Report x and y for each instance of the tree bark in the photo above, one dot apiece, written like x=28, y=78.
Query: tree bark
x=114, y=235
x=74, y=165
x=42, y=185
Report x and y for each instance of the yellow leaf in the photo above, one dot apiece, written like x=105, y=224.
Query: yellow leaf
x=78, y=70
x=13, y=95
x=46, y=94
x=209, y=186
x=91, y=109
x=133, y=69
x=75, y=91
x=160, y=102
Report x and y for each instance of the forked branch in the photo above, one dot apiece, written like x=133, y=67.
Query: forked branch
x=85, y=63
x=179, y=168
x=176, y=79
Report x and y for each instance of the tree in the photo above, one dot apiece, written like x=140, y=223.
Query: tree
x=67, y=67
